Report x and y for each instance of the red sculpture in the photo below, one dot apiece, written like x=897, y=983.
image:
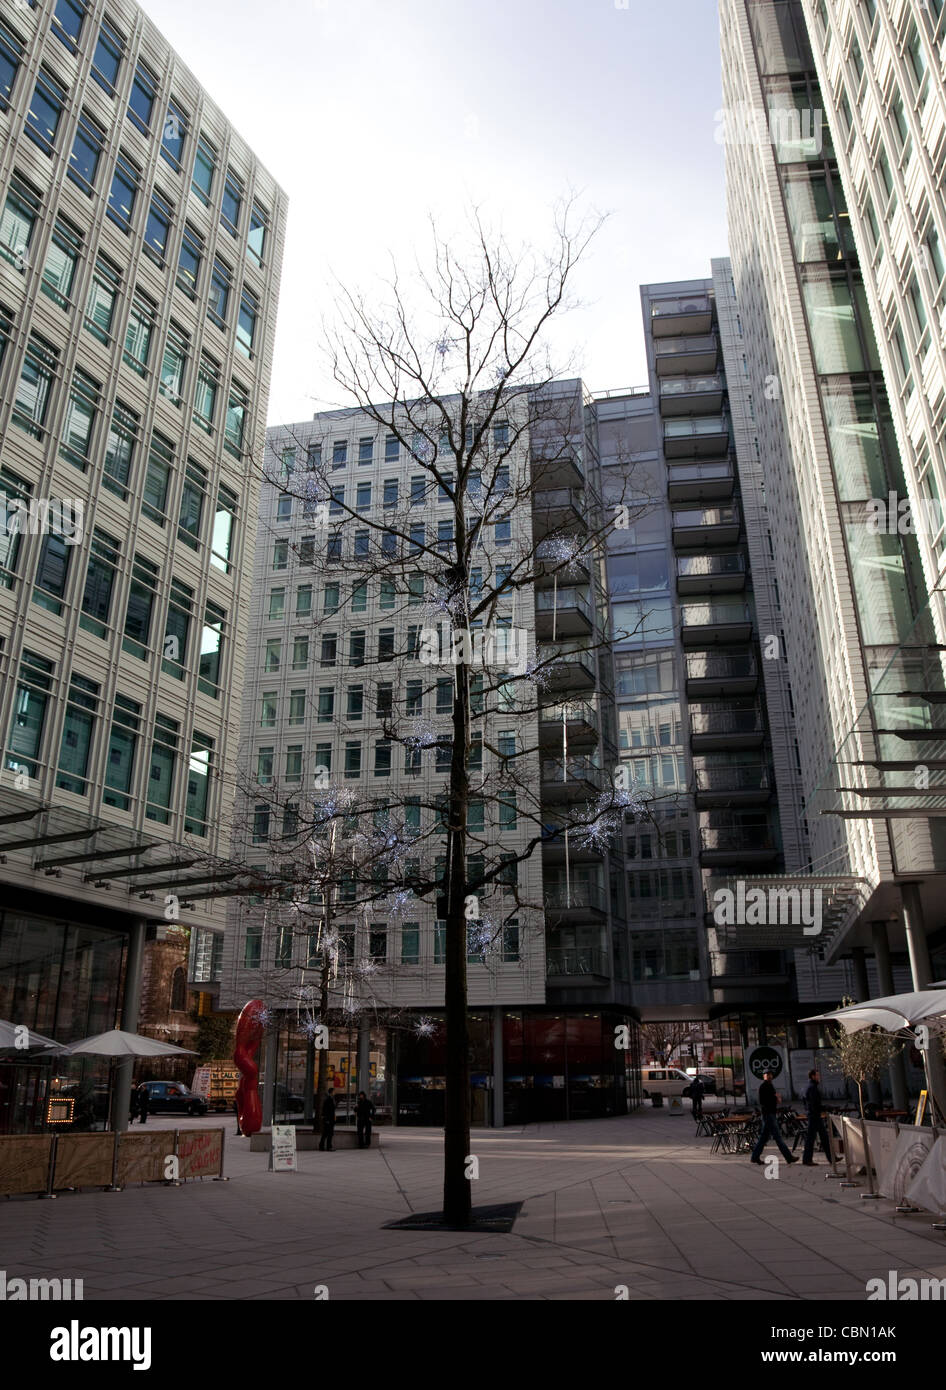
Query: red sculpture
x=249, y=1035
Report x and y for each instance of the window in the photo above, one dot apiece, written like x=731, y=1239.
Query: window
x=418, y=489
x=297, y=707
x=331, y=598
x=356, y=702
x=173, y=364
x=363, y=497
x=294, y=763
x=502, y=532
x=417, y=534
x=390, y=492
x=67, y=22
x=122, y=750
x=188, y=261
x=77, y=733
x=12, y=489
x=205, y=396
x=256, y=240
x=329, y=649
x=507, y=811
x=359, y=597
x=107, y=57
x=339, y=453
x=384, y=700
x=29, y=714
x=177, y=630
x=440, y=942
x=246, y=323
x=211, y=651
x=443, y=495
x=172, y=138
x=410, y=943
x=20, y=213
x=45, y=113
x=87, y=147
x=219, y=298
x=264, y=766
x=313, y=457
x=277, y=603
x=157, y=477
x=386, y=644
x=138, y=614
x=120, y=449
x=205, y=166
x=445, y=695
x=378, y=945
x=237, y=408
x=79, y=420
x=61, y=259
x=103, y=294
x=356, y=649
x=199, y=770
x=365, y=452
x=362, y=543
x=273, y=654
x=510, y=943
x=412, y=754
x=254, y=935
x=139, y=333
x=352, y=760
x=221, y=543
x=11, y=55
x=300, y=653
x=501, y=435
x=414, y=699
x=388, y=594
x=123, y=192
x=269, y=702
x=99, y=583
x=144, y=88
x=326, y=704
x=476, y=816
x=158, y=228
x=232, y=203
x=444, y=534
x=52, y=572
x=162, y=769
x=192, y=504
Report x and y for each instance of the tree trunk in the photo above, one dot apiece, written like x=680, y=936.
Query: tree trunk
x=867, y=1163
x=457, y=1201
x=323, y=1051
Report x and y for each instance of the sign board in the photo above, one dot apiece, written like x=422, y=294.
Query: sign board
x=760, y=1059
x=283, y=1156
x=921, y=1108
x=801, y=1060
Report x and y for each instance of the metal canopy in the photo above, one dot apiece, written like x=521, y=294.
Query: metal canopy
x=772, y=911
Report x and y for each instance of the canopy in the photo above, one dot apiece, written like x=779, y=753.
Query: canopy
x=119, y=1044
x=9, y=1035
x=892, y=1012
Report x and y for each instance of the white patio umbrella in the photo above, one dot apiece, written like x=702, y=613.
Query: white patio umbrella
x=118, y=1044
x=9, y=1036
x=892, y=1012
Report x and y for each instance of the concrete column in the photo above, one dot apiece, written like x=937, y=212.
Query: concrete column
x=392, y=1064
x=874, y=1094
x=897, y=1069
x=922, y=971
x=131, y=1005
x=308, y=1098
x=499, y=1084
x=269, y=1073
x=364, y=1055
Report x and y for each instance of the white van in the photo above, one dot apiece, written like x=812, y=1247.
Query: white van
x=663, y=1081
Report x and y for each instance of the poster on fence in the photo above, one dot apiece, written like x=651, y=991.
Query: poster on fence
x=24, y=1163
x=928, y=1187
x=907, y=1158
x=84, y=1160
x=141, y=1157
x=200, y=1152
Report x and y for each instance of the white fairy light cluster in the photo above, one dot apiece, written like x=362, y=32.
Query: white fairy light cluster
x=563, y=550
x=309, y=1027
x=539, y=670
x=424, y=1027
x=423, y=735
x=607, y=814
x=399, y=903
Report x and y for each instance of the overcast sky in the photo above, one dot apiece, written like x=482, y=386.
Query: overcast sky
x=373, y=113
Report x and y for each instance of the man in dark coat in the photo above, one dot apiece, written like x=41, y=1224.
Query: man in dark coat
x=328, y=1122
x=768, y=1104
x=816, y=1125
x=697, y=1092
x=143, y=1099
x=364, y=1114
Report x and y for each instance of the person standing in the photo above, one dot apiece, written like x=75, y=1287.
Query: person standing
x=697, y=1092
x=364, y=1114
x=817, y=1128
x=236, y=1111
x=768, y=1104
x=143, y=1099
x=328, y=1122
x=133, y=1105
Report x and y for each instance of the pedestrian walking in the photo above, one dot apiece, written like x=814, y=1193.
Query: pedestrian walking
x=816, y=1126
x=364, y=1114
x=143, y=1099
x=328, y=1122
x=768, y=1104
x=133, y=1105
x=697, y=1092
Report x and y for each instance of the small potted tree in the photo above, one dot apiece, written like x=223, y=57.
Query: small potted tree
x=862, y=1056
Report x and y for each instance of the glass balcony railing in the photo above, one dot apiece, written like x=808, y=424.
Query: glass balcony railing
x=692, y=385
x=559, y=898
x=695, y=343
x=569, y=712
x=716, y=666
x=714, y=614
x=705, y=516
x=735, y=839
x=725, y=719
x=553, y=499
x=576, y=961
x=548, y=601
x=710, y=566
x=737, y=777
x=690, y=427
x=577, y=770
x=688, y=304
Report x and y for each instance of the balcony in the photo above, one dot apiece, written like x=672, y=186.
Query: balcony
x=570, y=779
x=698, y=353
x=579, y=851
x=704, y=623
x=576, y=964
x=711, y=574
x=549, y=567
x=705, y=526
x=736, y=845
x=696, y=436
x=581, y=902
x=558, y=470
x=575, y=723
x=712, y=673
x=692, y=395
x=561, y=510
x=739, y=784
x=718, y=727
x=573, y=669
x=563, y=614
x=700, y=482
x=685, y=314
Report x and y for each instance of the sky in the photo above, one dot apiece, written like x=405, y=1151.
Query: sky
x=375, y=114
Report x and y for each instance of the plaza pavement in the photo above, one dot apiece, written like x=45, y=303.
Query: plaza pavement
x=637, y=1201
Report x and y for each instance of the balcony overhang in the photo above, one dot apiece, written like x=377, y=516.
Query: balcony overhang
x=702, y=634
x=784, y=911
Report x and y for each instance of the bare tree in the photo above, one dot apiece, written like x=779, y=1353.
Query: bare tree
x=664, y=1039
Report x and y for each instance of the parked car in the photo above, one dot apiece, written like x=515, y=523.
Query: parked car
x=286, y=1101
x=663, y=1081
x=173, y=1097
x=708, y=1080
